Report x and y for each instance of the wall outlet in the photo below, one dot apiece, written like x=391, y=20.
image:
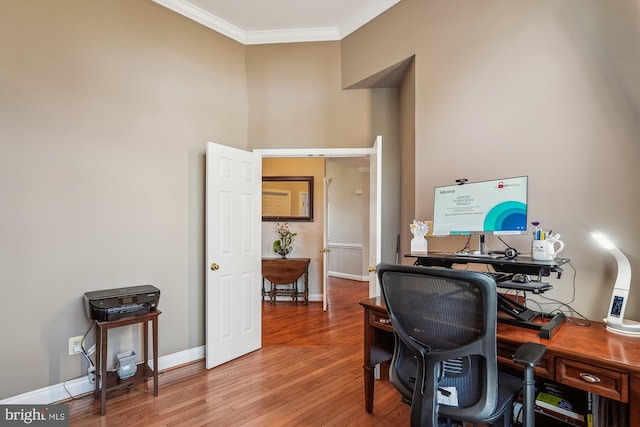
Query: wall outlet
x=91, y=374
x=75, y=345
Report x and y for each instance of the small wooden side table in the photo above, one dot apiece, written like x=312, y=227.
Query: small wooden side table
x=282, y=272
x=110, y=380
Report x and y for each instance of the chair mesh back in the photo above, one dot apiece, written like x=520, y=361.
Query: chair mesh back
x=442, y=314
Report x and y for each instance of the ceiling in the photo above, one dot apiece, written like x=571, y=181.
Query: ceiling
x=280, y=21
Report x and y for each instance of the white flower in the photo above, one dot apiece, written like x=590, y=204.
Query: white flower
x=419, y=228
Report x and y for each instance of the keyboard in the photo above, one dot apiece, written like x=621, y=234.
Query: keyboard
x=472, y=255
x=500, y=277
x=534, y=286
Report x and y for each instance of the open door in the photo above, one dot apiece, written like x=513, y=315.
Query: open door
x=325, y=244
x=375, y=214
x=233, y=253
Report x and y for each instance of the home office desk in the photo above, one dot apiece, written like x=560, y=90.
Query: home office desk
x=588, y=358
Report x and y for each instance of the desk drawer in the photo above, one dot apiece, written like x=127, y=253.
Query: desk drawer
x=380, y=320
x=605, y=382
x=505, y=358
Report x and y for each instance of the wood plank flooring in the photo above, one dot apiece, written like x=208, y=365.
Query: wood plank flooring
x=308, y=373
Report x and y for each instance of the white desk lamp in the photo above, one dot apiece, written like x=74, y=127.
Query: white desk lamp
x=615, y=320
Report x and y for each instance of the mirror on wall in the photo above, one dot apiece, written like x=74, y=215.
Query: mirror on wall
x=287, y=198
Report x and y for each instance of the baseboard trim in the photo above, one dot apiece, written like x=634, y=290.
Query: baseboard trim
x=348, y=276
x=81, y=385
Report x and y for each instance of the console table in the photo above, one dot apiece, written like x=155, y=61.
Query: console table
x=588, y=358
x=110, y=380
x=283, y=275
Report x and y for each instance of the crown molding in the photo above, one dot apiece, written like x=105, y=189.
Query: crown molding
x=223, y=27
x=205, y=18
x=293, y=36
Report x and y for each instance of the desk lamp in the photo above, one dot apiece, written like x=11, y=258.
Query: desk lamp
x=615, y=320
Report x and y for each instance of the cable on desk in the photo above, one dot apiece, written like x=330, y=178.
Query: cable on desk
x=466, y=245
x=571, y=310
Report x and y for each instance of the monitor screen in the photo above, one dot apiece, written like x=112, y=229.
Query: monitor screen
x=488, y=207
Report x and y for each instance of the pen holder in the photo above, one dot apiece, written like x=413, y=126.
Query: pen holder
x=545, y=250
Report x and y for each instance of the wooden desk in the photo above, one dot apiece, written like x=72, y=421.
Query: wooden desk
x=285, y=271
x=110, y=380
x=587, y=358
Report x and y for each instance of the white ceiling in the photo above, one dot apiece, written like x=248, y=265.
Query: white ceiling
x=280, y=21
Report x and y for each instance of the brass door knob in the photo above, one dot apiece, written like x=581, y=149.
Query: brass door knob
x=215, y=266
x=372, y=269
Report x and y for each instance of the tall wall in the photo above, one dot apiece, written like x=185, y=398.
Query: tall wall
x=105, y=111
x=296, y=99
x=545, y=88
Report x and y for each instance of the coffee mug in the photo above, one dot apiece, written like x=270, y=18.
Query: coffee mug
x=546, y=250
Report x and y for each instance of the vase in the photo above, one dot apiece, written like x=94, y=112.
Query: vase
x=419, y=245
x=284, y=252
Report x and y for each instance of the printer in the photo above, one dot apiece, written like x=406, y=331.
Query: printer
x=114, y=304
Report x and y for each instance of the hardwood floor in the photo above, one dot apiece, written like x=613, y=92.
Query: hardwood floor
x=308, y=373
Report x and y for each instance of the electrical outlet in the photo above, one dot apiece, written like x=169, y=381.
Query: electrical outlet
x=75, y=345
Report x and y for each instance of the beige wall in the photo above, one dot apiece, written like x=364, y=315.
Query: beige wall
x=296, y=101
x=106, y=107
x=105, y=110
x=547, y=89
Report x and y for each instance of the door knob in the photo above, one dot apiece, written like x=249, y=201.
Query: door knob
x=372, y=269
x=214, y=266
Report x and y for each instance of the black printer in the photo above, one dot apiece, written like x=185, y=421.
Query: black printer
x=114, y=304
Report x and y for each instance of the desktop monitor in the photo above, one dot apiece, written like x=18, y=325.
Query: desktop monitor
x=487, y=207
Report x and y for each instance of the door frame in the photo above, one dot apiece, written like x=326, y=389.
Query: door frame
x=326, y=153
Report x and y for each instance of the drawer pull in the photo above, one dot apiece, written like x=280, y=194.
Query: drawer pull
x=384, y=321
x=590, y=378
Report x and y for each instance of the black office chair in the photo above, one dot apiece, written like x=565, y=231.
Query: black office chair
x=445, y=328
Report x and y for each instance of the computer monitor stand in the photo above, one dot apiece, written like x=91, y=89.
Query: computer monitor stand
x=481, y=245
x=520, y=315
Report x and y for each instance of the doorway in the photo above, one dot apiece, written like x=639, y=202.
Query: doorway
x=317, y=251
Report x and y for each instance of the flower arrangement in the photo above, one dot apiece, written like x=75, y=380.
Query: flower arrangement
x=284, y=244
x=419, y=228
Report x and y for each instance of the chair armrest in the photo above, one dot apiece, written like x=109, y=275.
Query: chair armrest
x=529, y=354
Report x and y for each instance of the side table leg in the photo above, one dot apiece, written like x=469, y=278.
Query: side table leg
x=155, y=356
x=145, y=348
x=294, y=292
x=272, y=293
x=104, y=335
x=306, y=285
x=98, y=374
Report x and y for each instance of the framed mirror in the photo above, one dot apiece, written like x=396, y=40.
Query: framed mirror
x=287, y=198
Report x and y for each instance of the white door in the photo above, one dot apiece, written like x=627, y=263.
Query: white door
x=375, y=214
x=325, y=244
x=233, y=255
